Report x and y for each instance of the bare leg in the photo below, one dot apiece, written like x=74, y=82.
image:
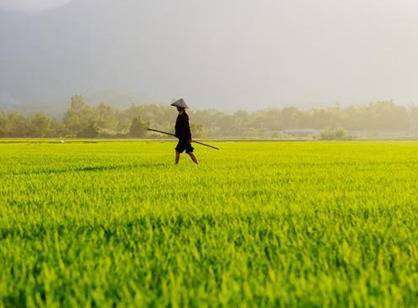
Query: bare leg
x=193, y=158
x=177, y=157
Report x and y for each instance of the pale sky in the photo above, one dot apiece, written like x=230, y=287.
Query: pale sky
x=31, y=5
x=231, y=54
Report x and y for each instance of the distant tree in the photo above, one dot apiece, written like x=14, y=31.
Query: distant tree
x=386, y=116
x=413, y=112
x=16, y=125
x=40, y=125
x=291, y=118
x=80, y=119
x=198, y=130
x=334, y=134
x=89, y=131
x=138, y=128
x=2, y=124
x=107, y=120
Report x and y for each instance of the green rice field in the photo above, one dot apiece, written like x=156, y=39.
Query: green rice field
x=105, y=223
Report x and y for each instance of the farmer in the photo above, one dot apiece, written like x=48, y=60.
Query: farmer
x=183, y=132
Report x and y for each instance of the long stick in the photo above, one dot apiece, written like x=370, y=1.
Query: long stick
x=170, y=134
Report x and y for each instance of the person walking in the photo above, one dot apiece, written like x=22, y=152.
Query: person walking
x=182, y=131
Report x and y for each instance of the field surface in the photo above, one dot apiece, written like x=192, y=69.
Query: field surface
x=257, y=223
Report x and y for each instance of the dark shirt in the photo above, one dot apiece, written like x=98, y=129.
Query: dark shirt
x=183, y=127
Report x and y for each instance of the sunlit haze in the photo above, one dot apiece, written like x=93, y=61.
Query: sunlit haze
x=31, y=5
x=238, y=54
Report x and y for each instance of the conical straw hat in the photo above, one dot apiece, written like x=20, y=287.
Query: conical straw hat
x=180, y=103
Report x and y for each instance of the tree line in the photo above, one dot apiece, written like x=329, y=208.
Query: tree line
x=82, y=120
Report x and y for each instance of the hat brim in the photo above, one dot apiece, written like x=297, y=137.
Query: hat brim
x=180, y=103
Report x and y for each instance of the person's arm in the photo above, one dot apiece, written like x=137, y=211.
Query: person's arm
x=181, y=127
x=187, y=131
x=178, y=127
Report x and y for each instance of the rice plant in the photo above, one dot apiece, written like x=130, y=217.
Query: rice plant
x=256, y=224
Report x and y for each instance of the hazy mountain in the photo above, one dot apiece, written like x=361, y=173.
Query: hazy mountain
x=115, y=98
x=221, y=54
